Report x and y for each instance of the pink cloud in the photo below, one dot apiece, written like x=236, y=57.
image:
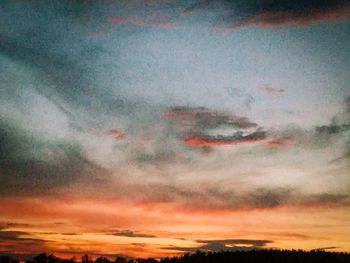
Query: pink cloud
x=281, y=142
x=198, y=141
x=116, y=134
x=272, y=90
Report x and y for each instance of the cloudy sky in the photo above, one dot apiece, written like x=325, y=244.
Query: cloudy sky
x=158, y=127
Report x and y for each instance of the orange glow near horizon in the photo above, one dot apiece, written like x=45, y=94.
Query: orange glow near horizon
x=93, y=227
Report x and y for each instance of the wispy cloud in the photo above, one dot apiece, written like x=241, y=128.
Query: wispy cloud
x=281, y=142
x=129, y=233
x=274, y=14
x=126, y=20
x=273, y=90
x=21, y=244
x=115, y=133
x=279, y=15
x=238, y=138
x=323, y=248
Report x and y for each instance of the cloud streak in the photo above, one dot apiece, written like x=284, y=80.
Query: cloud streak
x=296, y=18
x=269, y=14
x=125, y=20
x=225, y=245
x=238, y=138
x=128, y=233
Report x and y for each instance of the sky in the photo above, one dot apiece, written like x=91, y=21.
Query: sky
x=151, y=128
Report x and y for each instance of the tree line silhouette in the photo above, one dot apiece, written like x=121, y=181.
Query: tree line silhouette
x=251, y=256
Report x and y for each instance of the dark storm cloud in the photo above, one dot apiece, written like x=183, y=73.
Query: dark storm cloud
x=225, y=245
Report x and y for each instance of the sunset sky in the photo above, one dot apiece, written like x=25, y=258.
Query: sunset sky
x=158, y=127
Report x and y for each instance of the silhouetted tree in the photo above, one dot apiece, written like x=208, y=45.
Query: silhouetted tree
x=102, y=260
x=146, y=260
x=120, y=259
x=44, y=258
x=8, y=259
x=86, y=259
x=53, y=259
x=251, y=256
x=71, y=260
x=261, y=256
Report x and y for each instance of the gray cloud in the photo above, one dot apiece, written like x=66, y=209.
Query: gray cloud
x=129, y=233
x=59, y=62
x=225, y=245
x=338, y=128
x=196, y=126
x=49, y=97
x=323, y=248
x=333, y=128
x=264, y=198
x=32, y=165
x=217, y=196
x=274, y=13
x=12, y=241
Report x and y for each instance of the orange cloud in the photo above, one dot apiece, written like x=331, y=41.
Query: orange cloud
x=281, y=142
x=198, y=141
x=115, y=133
x=93, y=220
x=123, y=20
